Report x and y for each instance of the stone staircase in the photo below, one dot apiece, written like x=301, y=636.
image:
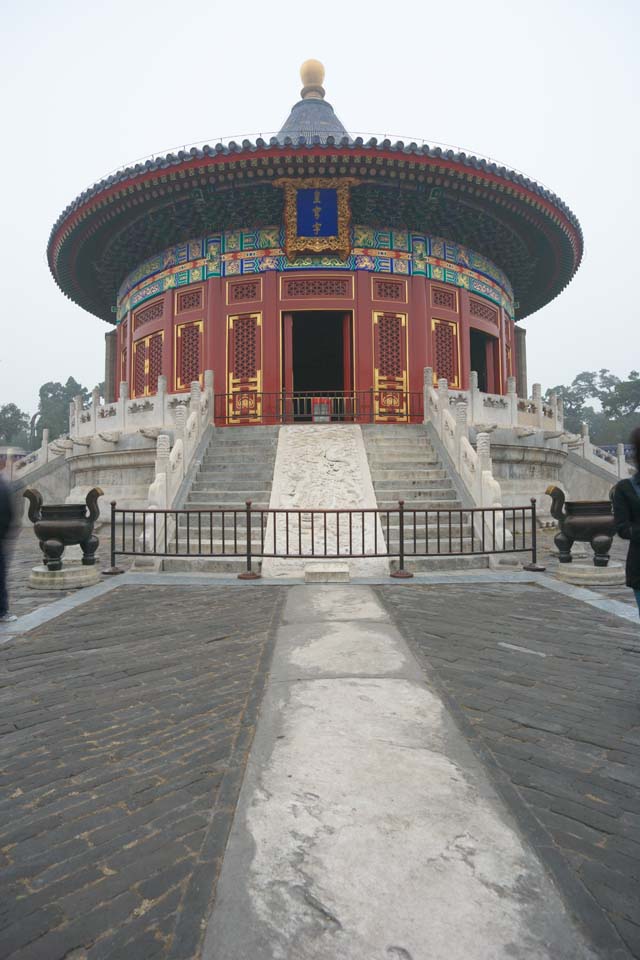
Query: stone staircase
x=405, y=466
x=238, y=466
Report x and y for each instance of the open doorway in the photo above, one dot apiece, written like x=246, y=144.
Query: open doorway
x=483, y=360
x=317, y=358
x=318, y=351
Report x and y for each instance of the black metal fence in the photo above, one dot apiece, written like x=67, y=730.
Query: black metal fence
x=321, y=406
x=402, y=534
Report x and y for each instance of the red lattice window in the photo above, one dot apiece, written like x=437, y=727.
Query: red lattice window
x=189, y=354
x=390, y=290
x=189, y=300
x=445, y=350
x=245, y=290
x=147, y=314
x=440, y=297
x=244, y=348
x=390, y=333
x=139, y=368
x=155, y=362
x=317, y=287
x=482, y=310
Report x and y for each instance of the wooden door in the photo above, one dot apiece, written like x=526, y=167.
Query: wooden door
x=245, y=368
x=390, y=366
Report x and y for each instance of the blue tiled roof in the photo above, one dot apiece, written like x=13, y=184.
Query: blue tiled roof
x=312, y=117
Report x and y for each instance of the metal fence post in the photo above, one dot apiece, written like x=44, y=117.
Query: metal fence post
x=401, y=573
x=113, y=570
x=534, y=566
x=248, y=574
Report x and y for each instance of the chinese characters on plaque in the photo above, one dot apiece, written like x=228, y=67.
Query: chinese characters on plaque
x=317, y=217
x=317, y=213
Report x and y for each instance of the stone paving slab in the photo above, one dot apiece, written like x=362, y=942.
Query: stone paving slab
x=24, y=553
x=547, y=690
x=124, y=731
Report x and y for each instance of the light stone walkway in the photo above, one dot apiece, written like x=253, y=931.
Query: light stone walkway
x=366, y=827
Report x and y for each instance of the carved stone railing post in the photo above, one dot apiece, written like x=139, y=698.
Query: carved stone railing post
x=45, y=445
x=95, y=406
x=623, y=469
x=161, y=400
x=475, y=399
x=559, y=413
x=587, y=446
x=122, y=404
x=512, y=398
x=461, y=430
x=73, y=425
x=77, y=413
x=443, y=401
x=537, y=399
x=209, y=395
x=427, y=383
x=181, y=421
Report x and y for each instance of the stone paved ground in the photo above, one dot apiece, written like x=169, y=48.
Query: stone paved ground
x=25, y=554
x=548, y=557
x=549, y=691
x=124, y=731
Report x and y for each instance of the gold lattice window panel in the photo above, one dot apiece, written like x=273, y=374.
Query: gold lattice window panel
x=390, y=365
x=445, y=352
x=390, y=290
x=188, y=353
x=241, y=291
x=443, y=298
x=482, y=310
x=390, y=333
x=147, y=364
x=245, y=367
x=330, y=287
x=153, y=312
x=123, y=364
x=187, y=300
x=244, y=344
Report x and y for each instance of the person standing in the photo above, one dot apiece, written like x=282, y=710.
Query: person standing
x=626, y=512
x=6, y=523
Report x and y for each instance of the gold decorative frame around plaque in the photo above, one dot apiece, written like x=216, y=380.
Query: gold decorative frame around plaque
x=339, y=244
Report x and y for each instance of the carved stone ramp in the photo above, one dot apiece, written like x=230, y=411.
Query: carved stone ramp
x=324, y=466
x=366, y=828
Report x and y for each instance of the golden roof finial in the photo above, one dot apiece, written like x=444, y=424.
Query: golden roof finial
x=312, y=75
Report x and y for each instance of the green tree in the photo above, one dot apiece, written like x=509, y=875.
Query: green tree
x=14, y=426
x=619, y=399
x=53, y=408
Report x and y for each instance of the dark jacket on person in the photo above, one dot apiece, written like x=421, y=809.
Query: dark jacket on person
x=626, y=512
x=6, y=510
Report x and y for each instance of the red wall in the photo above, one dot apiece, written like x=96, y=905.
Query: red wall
x=437, y=322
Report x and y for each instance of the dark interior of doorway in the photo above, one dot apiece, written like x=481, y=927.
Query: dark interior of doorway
x=318, y=358
x=479, y=345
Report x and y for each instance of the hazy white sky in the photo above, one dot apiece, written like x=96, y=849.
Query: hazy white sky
x=549, y=87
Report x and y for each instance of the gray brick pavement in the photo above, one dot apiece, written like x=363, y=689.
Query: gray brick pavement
x=557, y=720
x=124, y=730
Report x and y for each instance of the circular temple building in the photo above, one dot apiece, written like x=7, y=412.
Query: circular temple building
x=314, y=272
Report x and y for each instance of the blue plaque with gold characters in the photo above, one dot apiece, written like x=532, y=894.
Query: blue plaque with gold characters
x=317, y=217
x=317, y=212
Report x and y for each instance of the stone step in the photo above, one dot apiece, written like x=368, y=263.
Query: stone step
x=413, y=487
x=434, y=564
x=231, y=565
x=237, y=485
x=229, y=498
x=432, y=504
x=253, y=456
x=409, y=476
x=404, y=468
x=194, y=507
